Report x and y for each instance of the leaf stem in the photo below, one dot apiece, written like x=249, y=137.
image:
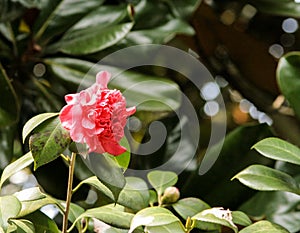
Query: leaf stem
x=69, y=192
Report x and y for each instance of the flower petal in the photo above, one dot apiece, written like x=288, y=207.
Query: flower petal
x=102, y=78
x=113, y=148
x=130, y=111
x=65, y=117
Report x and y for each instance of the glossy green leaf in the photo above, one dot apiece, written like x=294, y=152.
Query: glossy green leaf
x=164, y=94
x=16, y=166
x=188, y=207
x=282, y=8
x=34, y=122
x=288, y=77
x=113, y=215
x=161, y=34
x=57, y=16
x=264, y=226
x=74, y=213
x=49, y=140
x=33, y=199
x=277, y=207
x=160, y=180
x=263, y=178
x=217, y=216
x=123, y=159
x=151, y=217
x=175, y=227
x=9, y=208
x=107, y=171
x=9, y=105
x=135, y=194
x=42, y=223
x=102, y=227
x=278, y=149
x=96, y=183
x=91, y=39
x=104, y=16
x=240, y=218
x=183, y=8
x=22, y=226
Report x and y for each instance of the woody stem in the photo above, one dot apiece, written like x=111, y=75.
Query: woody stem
x=69, y=192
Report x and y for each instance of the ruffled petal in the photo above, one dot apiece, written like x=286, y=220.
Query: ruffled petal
x=65, y=117
x=102, y=78
x=130, y=111
x=71, y=98
x=113, y=148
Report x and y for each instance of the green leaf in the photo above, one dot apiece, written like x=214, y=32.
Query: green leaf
x=56, y=16
x=49, y=140
x=74, y=213
x=96, y=183
x=155, y=93
x=34, y=122
x=16, y=166
x=10, y=10
x=102, y=227
x=135, y=194
x=107, y=171
x=175, y=227
x=240, y=218
x=263, y=178
x=288, y=77
x=277, y=207
x=151, y=217
x=30, y=3
x=283, y=7
x=264, y=226
x=278, y=149
x=33, y=199
x=188, y=207
x=91, y=39
x=23, y=225
x=9, y=105
x=161, y=34
x=124, y=158
x=217, y=216
x=160, y=180
x=183, y=8
x=113, y=215
x=42, y=223
x=9, y=208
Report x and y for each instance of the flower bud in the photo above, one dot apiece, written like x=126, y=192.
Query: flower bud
x=171, y=195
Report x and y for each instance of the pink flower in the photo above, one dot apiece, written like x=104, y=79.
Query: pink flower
x=97, y=116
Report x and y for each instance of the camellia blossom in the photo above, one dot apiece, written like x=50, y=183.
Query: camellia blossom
x=97, y=116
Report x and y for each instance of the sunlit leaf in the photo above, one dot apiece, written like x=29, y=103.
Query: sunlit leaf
x=16, y=166
x=33, y=199
x=113, y=215
x=160, y=180
x=151, y=217
x=216, y=216
x=276, y=148
x=96, y=183
x=23, y=225
x=263, y=178
x=188, y=207
x=9, y=208
x=135, y=194
x=264, y=226
x=175, y=227
x=34, y=122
